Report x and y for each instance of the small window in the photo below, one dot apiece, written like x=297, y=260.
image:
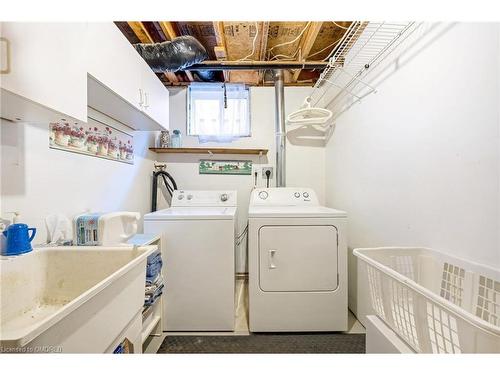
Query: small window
x=218, y=111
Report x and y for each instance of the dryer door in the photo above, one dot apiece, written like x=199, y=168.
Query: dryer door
x=298, y=258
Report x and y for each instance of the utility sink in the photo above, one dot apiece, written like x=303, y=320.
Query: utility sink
x=70, y=299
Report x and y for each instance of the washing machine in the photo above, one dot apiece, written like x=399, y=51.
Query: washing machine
x=297, y=262
x=198, y=245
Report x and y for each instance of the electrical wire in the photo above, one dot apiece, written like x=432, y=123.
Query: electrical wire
x=239, y=239
x=253, y=43
x=324, y=49
x=342, y=27
x=334, y=43
x=287, y=57
x=290, y=42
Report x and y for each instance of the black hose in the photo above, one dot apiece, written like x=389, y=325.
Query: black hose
x=170, y=187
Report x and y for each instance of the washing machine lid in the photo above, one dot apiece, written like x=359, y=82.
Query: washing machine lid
x=192, y=213
x=295, y=211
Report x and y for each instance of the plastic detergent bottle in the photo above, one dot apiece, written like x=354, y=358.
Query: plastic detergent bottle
x=175, y=139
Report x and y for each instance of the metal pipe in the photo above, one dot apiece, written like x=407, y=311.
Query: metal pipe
x=257, y=65
x=279, y=95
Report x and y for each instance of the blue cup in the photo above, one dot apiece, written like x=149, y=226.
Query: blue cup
x=18, y=239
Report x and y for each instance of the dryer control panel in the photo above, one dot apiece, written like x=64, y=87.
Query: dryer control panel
x=284, y=196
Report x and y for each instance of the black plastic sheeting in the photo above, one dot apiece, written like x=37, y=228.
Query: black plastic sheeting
x=173, y=56
x=208, y=75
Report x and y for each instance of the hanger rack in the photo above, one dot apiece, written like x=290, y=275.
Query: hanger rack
x=345, y=81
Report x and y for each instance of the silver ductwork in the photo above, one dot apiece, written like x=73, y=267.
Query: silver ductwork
x=279, y=89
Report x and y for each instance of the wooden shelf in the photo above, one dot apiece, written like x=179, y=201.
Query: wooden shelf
x=210, y=150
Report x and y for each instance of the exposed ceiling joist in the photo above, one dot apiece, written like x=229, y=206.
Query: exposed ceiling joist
x=145, y=37
x=306, y=44
x=247, y=51
x=168, y=29
x=141, y=32
x=263, y=47
x=330, y=34
x=220, y=49
x=170, y=33
x=242, y=41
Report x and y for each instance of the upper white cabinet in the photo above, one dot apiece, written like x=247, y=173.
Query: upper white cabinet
x=156, y=96
x=45, y=63
x=50, y=71
x=114, y=63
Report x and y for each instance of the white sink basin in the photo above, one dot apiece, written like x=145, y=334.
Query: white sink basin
x=70, y=299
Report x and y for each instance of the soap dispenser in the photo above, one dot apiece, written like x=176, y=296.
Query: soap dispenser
x=15, y=218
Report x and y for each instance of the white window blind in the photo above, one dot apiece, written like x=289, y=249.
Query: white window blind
x=218, y=113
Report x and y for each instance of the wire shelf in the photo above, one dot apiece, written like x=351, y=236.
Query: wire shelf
x=345, y=81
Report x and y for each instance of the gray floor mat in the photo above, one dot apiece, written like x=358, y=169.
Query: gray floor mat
x=266, y=343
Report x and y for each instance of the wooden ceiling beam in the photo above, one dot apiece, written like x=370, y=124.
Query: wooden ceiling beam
x=189, y=75
x=220, y=50
x=145, y=37
x=168, y=29
x=141, y=32
x=306, y=45
x=264, y=27
x=242, y=42
x=154, y=31
x=263, y=46
x=127, y=31
x=266, y=83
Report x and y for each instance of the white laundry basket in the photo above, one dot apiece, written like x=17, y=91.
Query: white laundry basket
x=435, y=302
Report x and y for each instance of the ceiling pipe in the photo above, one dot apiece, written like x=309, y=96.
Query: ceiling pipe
x=279, y=95
x=257, y=65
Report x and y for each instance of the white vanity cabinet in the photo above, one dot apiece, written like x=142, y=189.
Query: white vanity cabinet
x=44, y=63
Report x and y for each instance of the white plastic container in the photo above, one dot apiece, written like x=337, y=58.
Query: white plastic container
x=105, y=229
x=435, y=302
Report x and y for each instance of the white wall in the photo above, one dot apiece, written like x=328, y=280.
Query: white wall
x=38, y=181
x=417, y=164
x=305, y=164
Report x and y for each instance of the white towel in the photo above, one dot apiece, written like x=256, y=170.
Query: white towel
x=58, y=228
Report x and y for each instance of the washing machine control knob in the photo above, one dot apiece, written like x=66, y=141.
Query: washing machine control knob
x=296, y=194
x=224, y=197
x=189, y=197
x=305, y=194
x=180, y=197
x=263, y=195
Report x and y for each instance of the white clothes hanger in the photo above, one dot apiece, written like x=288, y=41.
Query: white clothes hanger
x=308, y=115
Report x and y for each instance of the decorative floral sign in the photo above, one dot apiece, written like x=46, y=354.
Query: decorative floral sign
x=96, y=140
x=225, y=167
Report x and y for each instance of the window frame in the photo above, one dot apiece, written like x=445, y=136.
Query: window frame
x=188, y=110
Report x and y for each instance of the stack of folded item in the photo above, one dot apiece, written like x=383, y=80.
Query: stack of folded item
x=154, y=280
